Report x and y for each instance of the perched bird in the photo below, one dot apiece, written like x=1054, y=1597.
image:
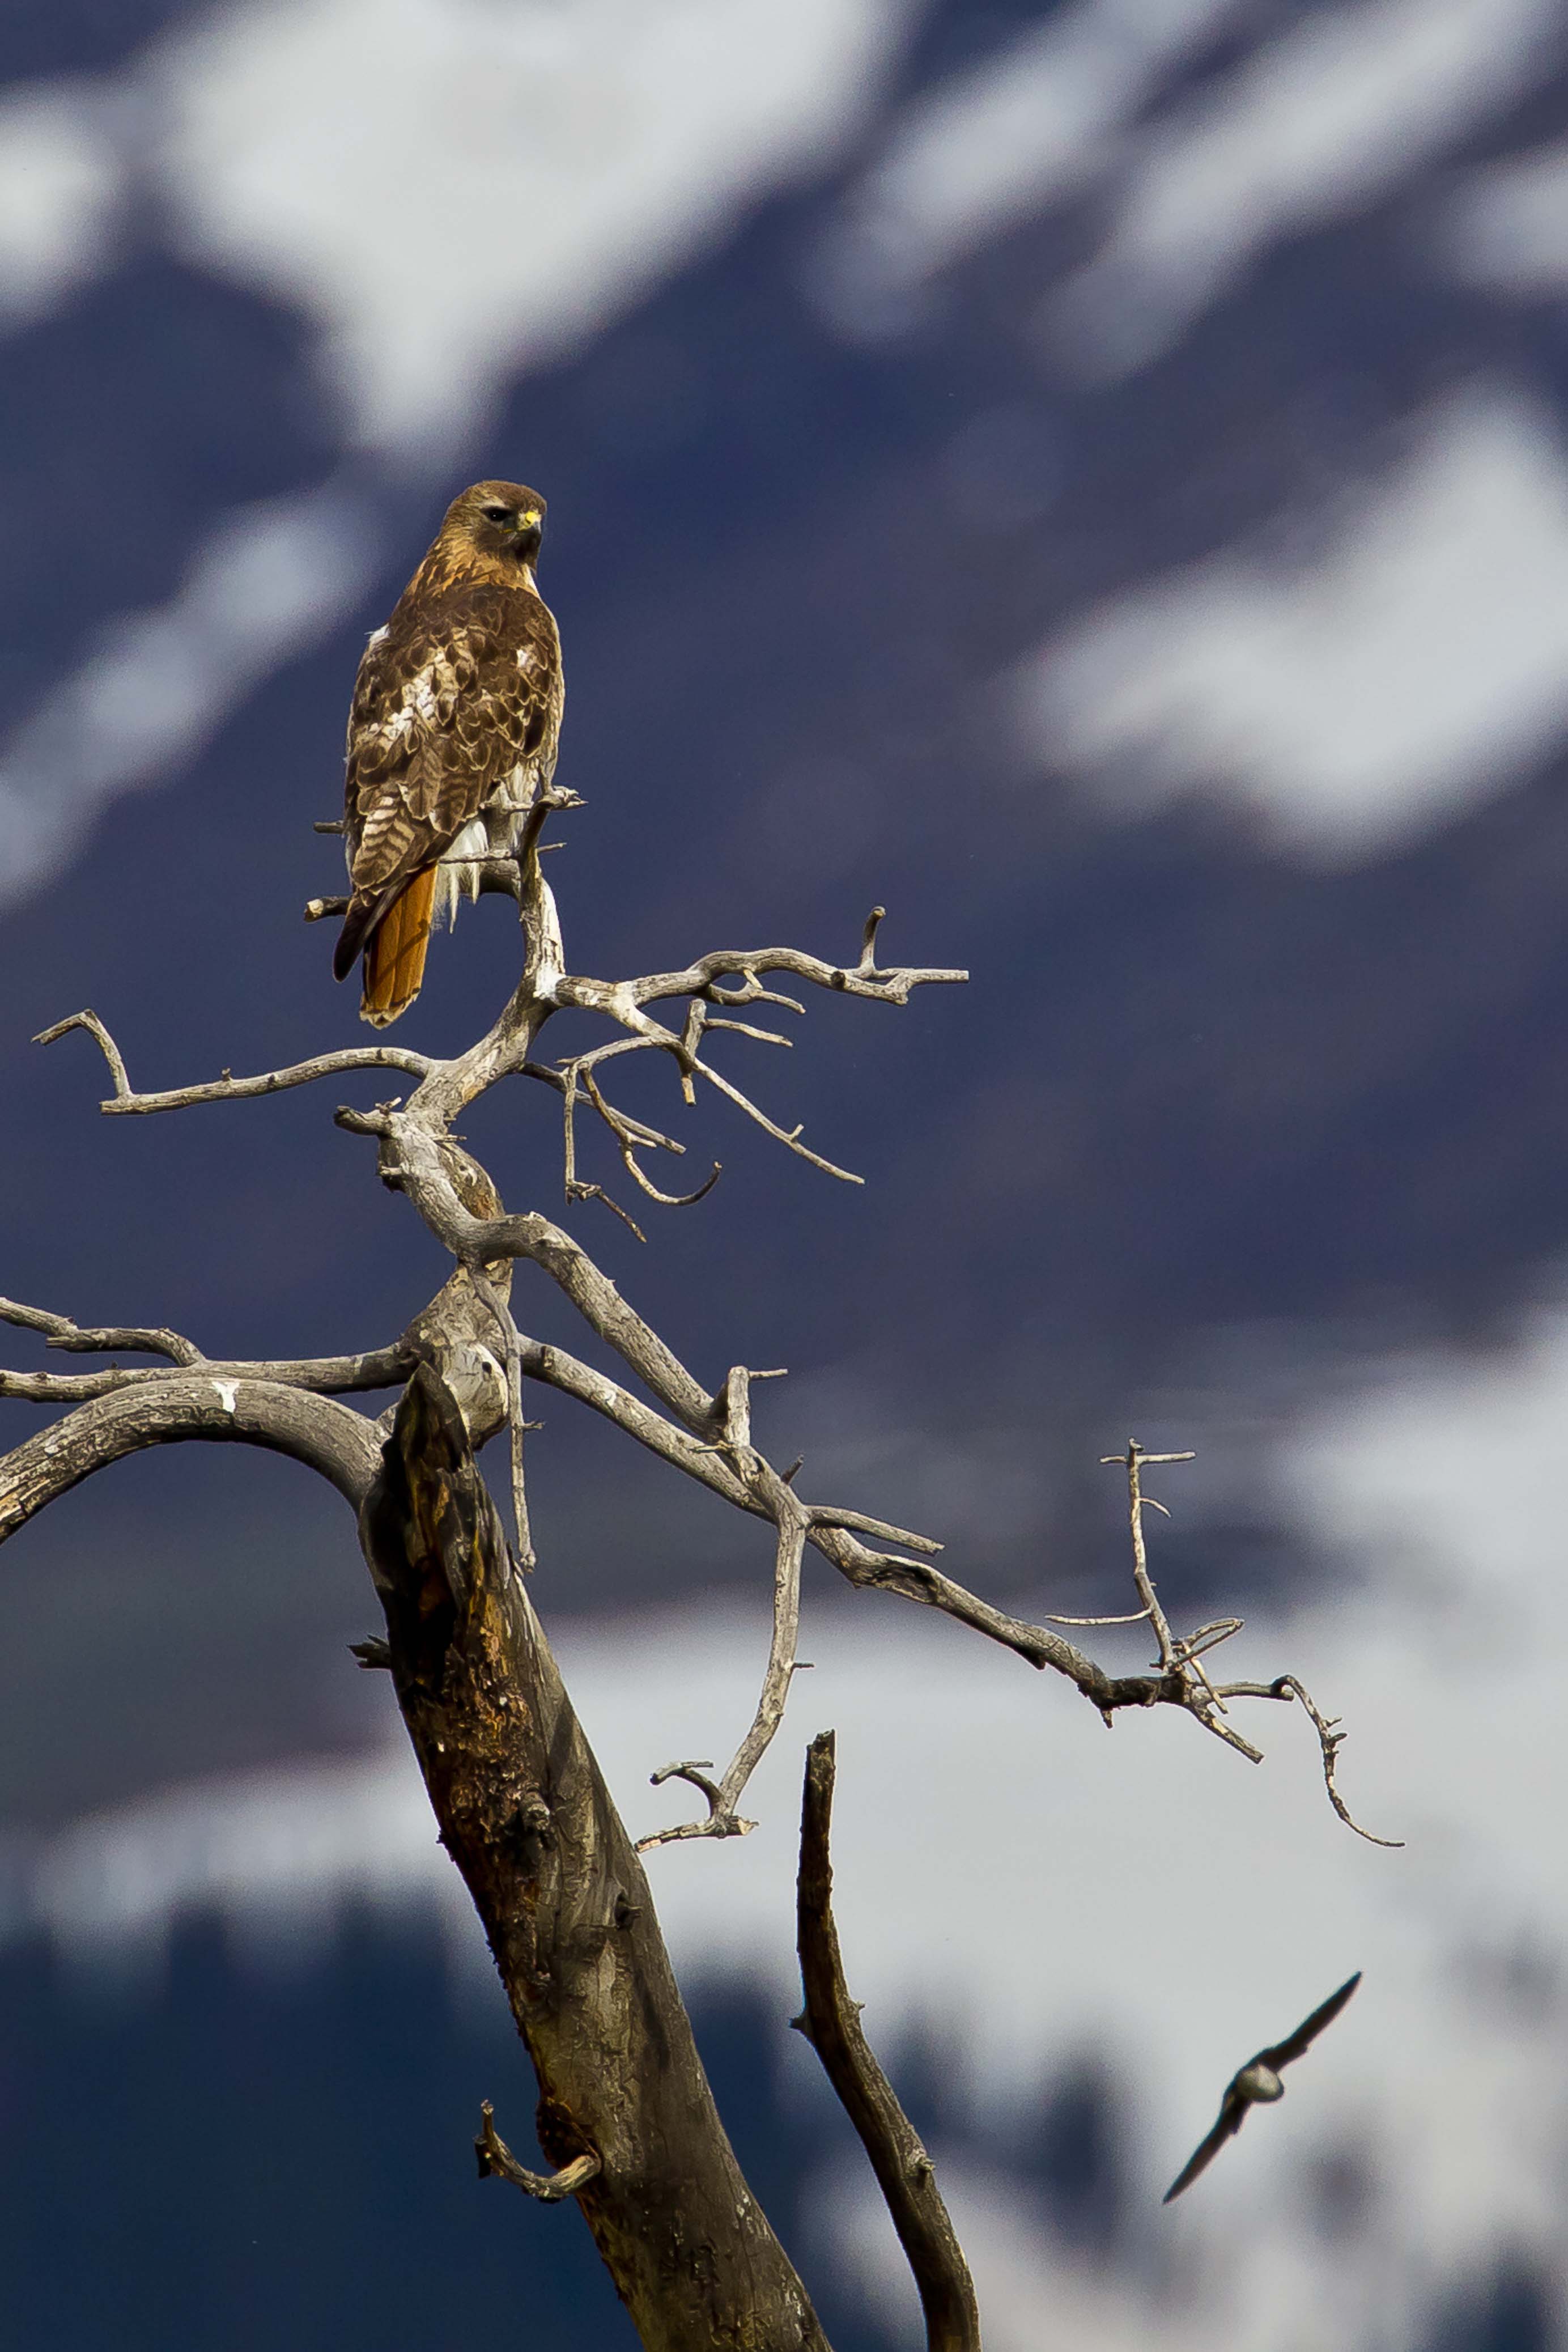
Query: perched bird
x=452, y=736
x=1259, y=2082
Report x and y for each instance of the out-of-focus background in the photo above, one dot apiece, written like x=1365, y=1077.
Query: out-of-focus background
x=1095, y=480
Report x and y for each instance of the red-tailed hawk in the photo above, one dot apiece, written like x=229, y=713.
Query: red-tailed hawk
x=452, y=736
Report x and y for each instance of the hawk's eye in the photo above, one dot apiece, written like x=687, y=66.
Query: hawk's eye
x=497, y=514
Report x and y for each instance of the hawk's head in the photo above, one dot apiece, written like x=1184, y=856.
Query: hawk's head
x=498, y=521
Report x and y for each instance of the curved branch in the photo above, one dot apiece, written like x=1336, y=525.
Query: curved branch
x=1331, y=1739
x=496, y=2162
x=228, y=1090
x=326, y=1436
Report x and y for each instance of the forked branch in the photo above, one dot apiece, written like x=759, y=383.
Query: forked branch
x=891, y=985
x=793, y=1522
x=376, y=1367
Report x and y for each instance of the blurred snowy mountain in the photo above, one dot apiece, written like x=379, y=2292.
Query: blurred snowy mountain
x=1094, y=479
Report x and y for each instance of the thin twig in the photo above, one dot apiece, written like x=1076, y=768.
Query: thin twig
x=627, y=1138
x=788, y=1136
x=1137, y=1502
x=580, y=1192
x=1132, y=1617
x=720, y=1822
x=828, y=1515
x=1331, y=1739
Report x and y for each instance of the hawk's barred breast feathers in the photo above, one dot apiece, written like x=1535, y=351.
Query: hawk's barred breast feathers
x=452, y=733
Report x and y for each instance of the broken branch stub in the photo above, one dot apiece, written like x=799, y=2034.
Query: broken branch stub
x=831, y=2022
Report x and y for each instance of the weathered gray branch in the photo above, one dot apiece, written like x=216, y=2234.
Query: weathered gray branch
x=793, y=1521
x=228, y=1088
x=378, y=1368
x=325, y=1436
x=701, y=977
x=103, y=1339
x=1331, y=1739
x=830, y=2022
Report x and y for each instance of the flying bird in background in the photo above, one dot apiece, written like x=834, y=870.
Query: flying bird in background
x=452, y=738
x=1259, y=2082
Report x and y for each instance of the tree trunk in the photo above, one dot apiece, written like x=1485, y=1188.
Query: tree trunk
x=525, y=1813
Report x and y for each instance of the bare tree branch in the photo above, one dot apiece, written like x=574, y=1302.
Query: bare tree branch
x=723, y=1820
x=102, y=1340
x=497, y=2161
x=1331, y=1739
x=379, y=1368
x=411, y=1163
x=830, y=2022
x=628, y=1134
x=683, y=1048
x=447, y=1087
x=325, y=1436
x=1137, y=1502
x=232, y=1089
x=700, y=978
x=482, y=876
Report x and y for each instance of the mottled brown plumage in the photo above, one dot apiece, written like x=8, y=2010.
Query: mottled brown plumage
x=452, y=736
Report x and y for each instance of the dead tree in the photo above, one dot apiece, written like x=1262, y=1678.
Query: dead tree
x=626, y=2115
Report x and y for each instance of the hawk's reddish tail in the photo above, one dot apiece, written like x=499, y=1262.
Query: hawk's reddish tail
x=395, y=957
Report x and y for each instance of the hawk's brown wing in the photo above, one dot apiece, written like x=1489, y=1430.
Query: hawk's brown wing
x=456, y=701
